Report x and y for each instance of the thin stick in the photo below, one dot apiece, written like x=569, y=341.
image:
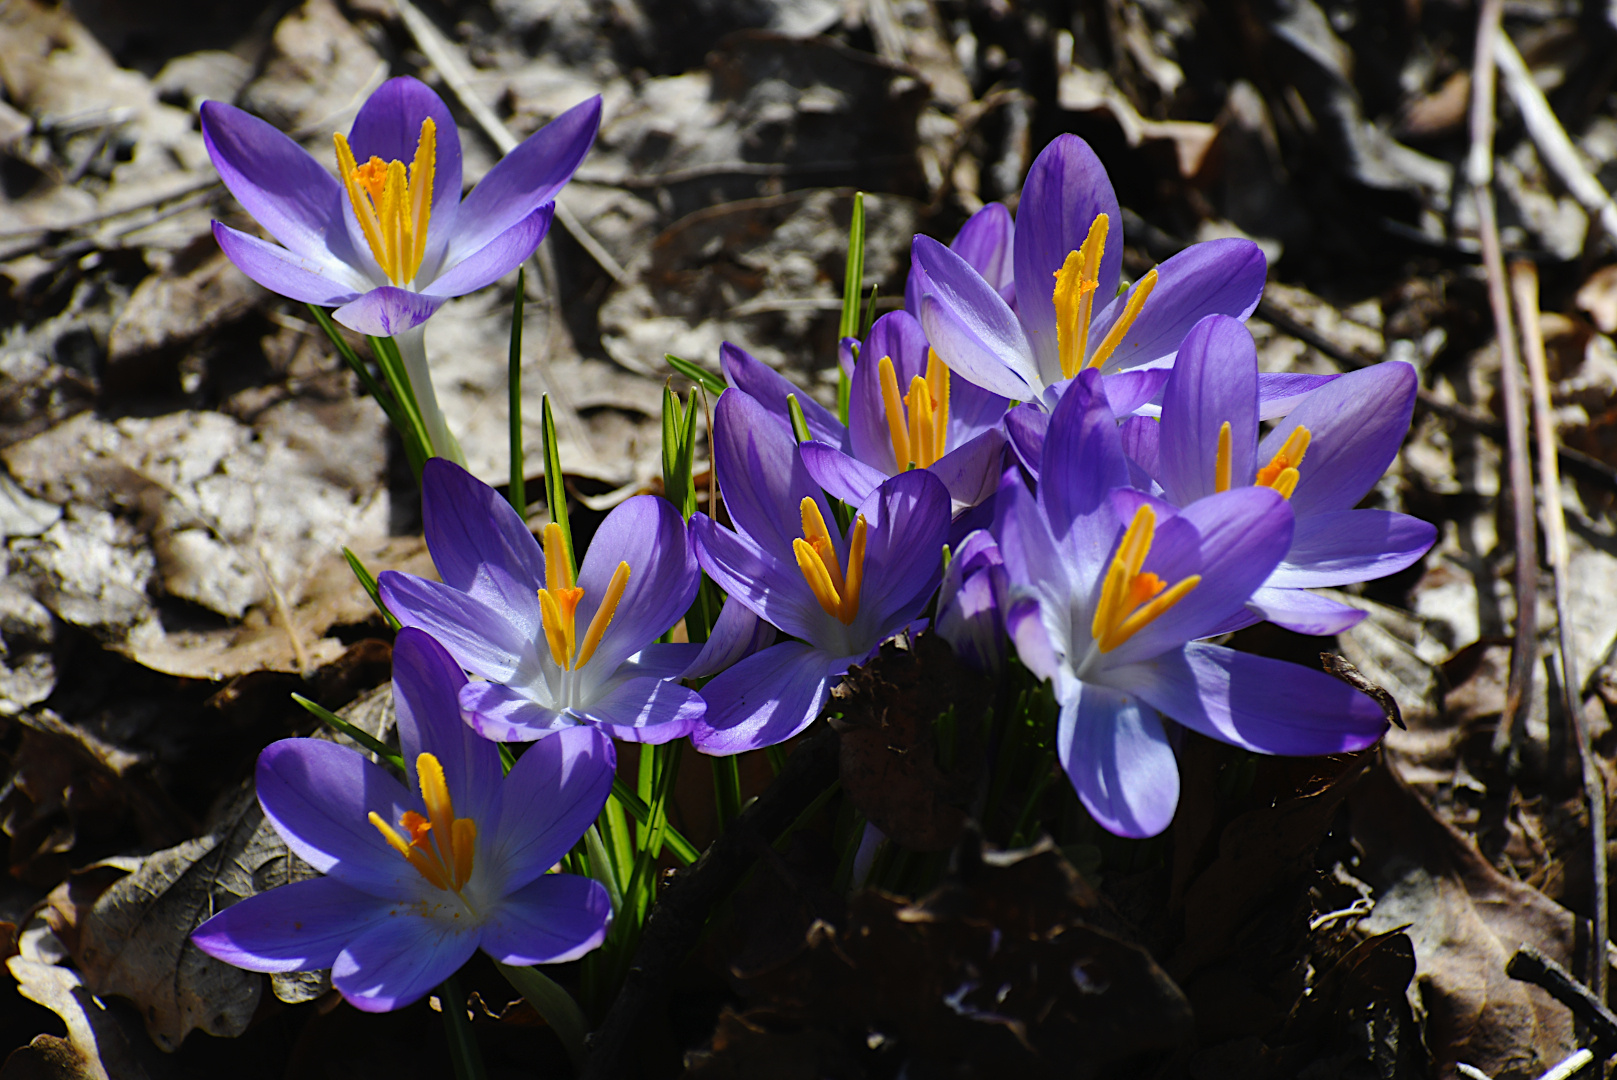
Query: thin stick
x=1479, y=172
x=1524, y=280
x=441, y=54
x=1550, y=137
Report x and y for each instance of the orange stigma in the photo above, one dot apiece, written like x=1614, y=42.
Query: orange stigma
x=1130, y=600
x=559, y=600
x=393, y=206
x=440, y=846
x=1281, y=472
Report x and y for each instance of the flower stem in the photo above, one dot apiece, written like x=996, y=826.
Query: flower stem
x=413, y=350
x=463, y=1049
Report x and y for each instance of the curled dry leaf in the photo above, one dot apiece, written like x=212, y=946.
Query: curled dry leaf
x=101, y=1043
x=890, y=742
x=1465, y=920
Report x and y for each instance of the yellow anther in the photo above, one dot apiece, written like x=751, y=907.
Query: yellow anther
x=919, y=403
x=1221, y=466
x=917, y=423
x=442, y=847
x=1131, y=600
x=393, y=205
x=893, y=407
x=1281, y=472
x=817, y=559
x=1131, y=311
x=603, y=614
x=558, y=568
x=1074, y=296
x=559, y=600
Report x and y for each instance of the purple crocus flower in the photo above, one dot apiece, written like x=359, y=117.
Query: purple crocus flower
x=1324, y=457
x=552, y=652
x=382, y=242
x=972, y=600
x=412, y=885
x=903, y=403
x=840, y=594
x=1108, y=607
x=1067, y=255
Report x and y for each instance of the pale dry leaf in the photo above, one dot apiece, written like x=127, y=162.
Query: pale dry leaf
x=245, y=521
x=98, y=1045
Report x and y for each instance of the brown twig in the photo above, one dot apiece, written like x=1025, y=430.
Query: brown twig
x=1479, y=173
x=1524, y=282
x=1531, y=966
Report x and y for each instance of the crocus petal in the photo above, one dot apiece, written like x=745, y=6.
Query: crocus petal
x=1117, y=754
x=426, y=697
x=1142, y=445
x=480, y=546
x=1025, y=626
x=1083, y=461
x=841, y=476
x=1233, y=540
x=1264, y=705
x=1065, y=190
x=1356, y=424
x=647, y=533
x=1217, y=277
x=761, y=474
x=552, y=919
x=312, y=280
x=495, y=259
x=1025, y=429
x=478, y=636
x=645, y=711
x=285, y=190
x=770, y=389
x=896, y=336
x=737, y=634
x=1126, y=391
x=553, y=793
x=908, y=520
x=297, y=927
x=1036, y=562
x=766, y=699
x=1302, y=612
x=1279, y=392
x=661, y=660
x=388, y=126
x=774, y=590
x=387, y=311
x=503, y=713
x=985, y=242
x=525, y=179
x=1339, y=547
x=400, y=960
x=972, y=328
x=1213, y=382
x=971, y=470
x=319, y=796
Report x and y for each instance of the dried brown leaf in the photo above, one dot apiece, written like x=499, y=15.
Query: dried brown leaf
x=1465, y=919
